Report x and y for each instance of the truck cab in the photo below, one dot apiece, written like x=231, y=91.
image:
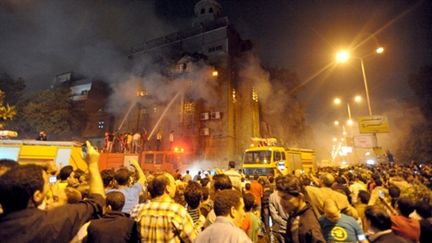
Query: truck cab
x=266, y=160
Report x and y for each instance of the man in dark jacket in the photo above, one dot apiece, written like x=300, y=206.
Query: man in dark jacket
x=114, y=226
x=302, y=223
x=23, y=191
x=380, y=224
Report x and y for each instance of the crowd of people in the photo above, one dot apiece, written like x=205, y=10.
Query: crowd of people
x=135, y=142
x=384, y=203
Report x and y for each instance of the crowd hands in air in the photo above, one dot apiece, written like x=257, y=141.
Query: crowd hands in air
x=385, y=203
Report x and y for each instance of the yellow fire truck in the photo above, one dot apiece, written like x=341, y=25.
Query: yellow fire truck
x=40, y=152
x=266, y=158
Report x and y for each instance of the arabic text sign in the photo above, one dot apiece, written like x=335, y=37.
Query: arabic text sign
x=373, y=124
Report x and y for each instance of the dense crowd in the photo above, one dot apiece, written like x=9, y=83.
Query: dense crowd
x=384, y=203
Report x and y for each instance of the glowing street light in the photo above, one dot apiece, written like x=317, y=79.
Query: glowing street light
x=335, y=139
x=358, y=99
x=379, y=50
x=350, y=122
x=337, y=101
x=342, y=56
x=336, y=123
x=215, y=73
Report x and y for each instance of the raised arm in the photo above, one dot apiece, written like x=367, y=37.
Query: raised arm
x=95, y=180
x=142, y=178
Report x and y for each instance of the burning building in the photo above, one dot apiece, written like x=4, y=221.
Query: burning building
x=216, y=126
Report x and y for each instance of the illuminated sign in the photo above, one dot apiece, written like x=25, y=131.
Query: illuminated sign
x=373, y=124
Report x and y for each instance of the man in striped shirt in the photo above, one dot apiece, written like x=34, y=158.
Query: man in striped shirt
x=193, y=196
x=162, y=219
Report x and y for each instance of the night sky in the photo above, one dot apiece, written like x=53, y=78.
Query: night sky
x=42, y=38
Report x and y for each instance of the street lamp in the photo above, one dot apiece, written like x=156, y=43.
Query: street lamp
x=343, y=56
x=338, y=101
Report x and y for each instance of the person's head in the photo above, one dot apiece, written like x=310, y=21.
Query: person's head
x=221, y=182
x=187, y=172
x=231, y=164
x=73, y=195
x=162, y=184
x=364, y=196
x=193, y=194
x=23, y=186
x=406, y=206
x=247, y=186
x=107, y=177
x=394, y=192
x=271, y=179
x=205, y=193
x=424, y=208
x=229, y=203
x=6, y=164
x=340, y=180
x=256, y=177
x=249, y=201
x=122, y=176
x=377, y=218
x=378, y=182
x=65, y=172
x=115, y=201
x=291, y=192
x=327, y=180
x=79, y=175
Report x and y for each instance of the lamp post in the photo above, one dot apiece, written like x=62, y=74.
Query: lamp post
x=343, y=56
x=338, y=101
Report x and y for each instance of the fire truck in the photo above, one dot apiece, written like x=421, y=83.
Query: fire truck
x=64, y=153
x=264, y=158
x=61, y=153
x=170, y=160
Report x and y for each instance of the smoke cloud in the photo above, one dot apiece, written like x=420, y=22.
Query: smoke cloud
x=46, y=37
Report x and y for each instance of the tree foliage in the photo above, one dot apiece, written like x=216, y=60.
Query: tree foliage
x=12, y=88
x=7, y=112
x=53, y=111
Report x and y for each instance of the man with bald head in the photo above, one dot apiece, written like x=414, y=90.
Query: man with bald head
x=318, y=195
x=162, y=219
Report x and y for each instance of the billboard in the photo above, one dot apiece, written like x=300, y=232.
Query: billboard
x=373, y=124
x=364, y=141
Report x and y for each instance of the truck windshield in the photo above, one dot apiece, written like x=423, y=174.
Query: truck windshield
x=257, y=157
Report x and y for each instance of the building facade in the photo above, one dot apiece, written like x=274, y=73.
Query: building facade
x=215, y=129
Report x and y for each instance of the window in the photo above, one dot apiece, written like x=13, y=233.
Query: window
x=148, y=159
x=202, y=11
x=159, y=158
x=215, y=48
x=84, y=92
x=204, y=116
x=257, y=157
x=215, y=115
x=277, y=156
x=205, y=131
x=211, y=10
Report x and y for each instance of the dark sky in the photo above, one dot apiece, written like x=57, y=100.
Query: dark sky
x=41, y=38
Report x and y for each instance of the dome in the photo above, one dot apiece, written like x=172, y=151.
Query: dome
x=208, y=8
